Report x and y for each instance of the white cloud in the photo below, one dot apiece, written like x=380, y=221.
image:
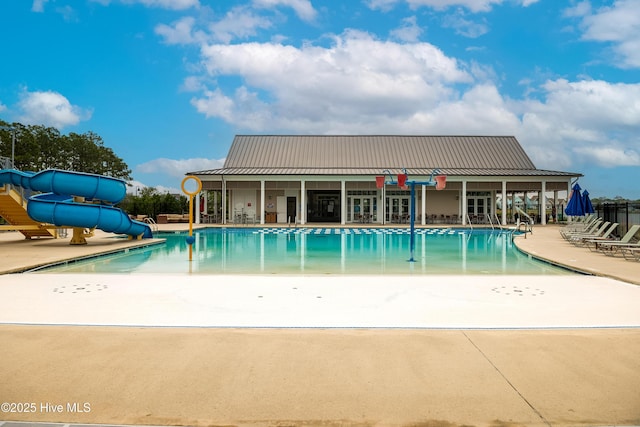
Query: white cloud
x=179, y=32
x=2, y=107
x=163, y=4
x=38, y=5
x=464, y=26
x=582, y=8
x=178, y=168
x=618, y=24
x=239, y=22
x=51, y=109
x=472, y=5
x=302, y=8
x=610, y=156
x=410, y=31
x=577, y=120
x=358, y=77
x=383, y=5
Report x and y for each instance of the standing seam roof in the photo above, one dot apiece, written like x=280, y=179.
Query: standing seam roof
x=377, y=151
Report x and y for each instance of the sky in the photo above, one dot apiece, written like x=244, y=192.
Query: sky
x=168, y=83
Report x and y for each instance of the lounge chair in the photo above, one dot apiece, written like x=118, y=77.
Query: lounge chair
x=590, y=229
x=615, y=247
x=631, y=253
x=580, y=225
x=592, y=234
x=593, y=240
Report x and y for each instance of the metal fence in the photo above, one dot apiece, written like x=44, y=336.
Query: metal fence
x=625, y=213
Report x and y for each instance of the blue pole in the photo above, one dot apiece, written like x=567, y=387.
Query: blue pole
x=412, y=241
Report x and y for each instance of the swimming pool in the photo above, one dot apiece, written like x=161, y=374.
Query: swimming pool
x=322, y=251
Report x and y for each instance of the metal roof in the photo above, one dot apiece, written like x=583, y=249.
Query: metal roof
x=370, y=154
x=374, y=171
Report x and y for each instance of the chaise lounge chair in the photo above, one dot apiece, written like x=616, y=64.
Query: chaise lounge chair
x=586, y=241
x=580, y=225
x=631, y=253
x=589, y=235
x=589, y=228
x=615, y=247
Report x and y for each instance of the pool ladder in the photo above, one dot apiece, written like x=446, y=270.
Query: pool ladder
x=152, y=223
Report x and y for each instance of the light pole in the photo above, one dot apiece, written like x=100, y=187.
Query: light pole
x=13, y=143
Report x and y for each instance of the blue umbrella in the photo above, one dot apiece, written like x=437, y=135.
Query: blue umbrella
x=588, y=206
x=575, y=207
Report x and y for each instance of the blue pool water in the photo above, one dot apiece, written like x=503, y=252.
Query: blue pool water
x=322, y=251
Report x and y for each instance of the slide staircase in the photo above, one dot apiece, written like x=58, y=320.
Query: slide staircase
x=13, y=208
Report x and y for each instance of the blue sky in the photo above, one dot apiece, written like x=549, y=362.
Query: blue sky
x=168, y=83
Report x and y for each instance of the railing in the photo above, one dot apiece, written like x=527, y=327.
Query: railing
x=469, y=221
x=624, y=213
x=152, y=223
x=498, y=222
x=528, y=225
x=490, y=221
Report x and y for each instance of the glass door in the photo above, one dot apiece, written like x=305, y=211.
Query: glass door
x=362, y=209
x=397, y=209
x=478, y=207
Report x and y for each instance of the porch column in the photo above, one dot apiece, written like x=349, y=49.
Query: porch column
x=303, y=203
x=543, y=203
x=262, y=209
x=513, y=205
x=555, y=207
x=197, y=208
x=205, y=205
x=383, y=203
x=224, y=201
x=504, y=203
x=343, y=202
x=424, y=205
x=215, y=206
x=463, y=199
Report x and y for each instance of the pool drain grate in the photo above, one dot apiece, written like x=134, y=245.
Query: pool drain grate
x=518, y=291
x=80, y=288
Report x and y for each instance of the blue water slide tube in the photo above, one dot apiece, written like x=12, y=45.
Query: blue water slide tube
x=56, y=205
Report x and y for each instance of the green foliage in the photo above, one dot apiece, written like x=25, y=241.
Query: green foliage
x=150, y=202
x=39, y=148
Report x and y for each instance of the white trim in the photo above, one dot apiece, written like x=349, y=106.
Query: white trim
x=423, y=220
x=262, y=200
x=343, y=202
x=303, y=202
x=504, y=203
x=542, y=203
x=463, y=199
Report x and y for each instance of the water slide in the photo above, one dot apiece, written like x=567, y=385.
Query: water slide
x=57, y=205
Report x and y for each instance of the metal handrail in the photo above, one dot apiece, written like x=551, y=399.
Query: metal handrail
x=490, y=221
x=498, y=222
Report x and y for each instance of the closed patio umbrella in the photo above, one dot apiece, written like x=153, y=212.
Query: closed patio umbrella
x=588, y=206
x=575, y=207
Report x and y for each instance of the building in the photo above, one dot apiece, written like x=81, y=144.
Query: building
x=332, y=178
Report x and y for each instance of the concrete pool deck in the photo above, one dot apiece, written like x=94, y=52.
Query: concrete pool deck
x=382, y=351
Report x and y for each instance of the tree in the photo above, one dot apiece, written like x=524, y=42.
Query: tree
x=148, y=201
x=38, y=147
